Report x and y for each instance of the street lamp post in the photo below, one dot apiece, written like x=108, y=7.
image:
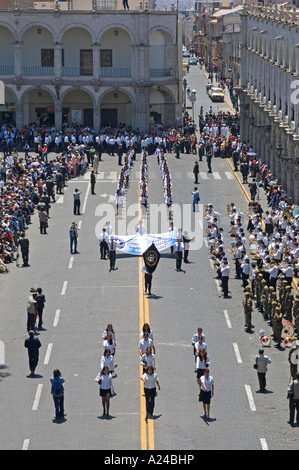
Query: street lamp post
x=192, y=98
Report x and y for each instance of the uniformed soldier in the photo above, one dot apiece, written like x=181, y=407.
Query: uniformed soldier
x=288, y=304
x=24, y=245
x=278, y=326
x=59, y=182
x=282, y=291
x=258, y=290
x=247, y=302
x=264, y=298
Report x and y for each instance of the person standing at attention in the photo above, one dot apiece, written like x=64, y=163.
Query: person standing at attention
x=92, y=182
x=32, y=344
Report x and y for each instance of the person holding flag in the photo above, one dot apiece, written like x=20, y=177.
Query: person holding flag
x=151, y=259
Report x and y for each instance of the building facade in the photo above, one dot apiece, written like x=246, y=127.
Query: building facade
x=269, y=89
x=96, y=67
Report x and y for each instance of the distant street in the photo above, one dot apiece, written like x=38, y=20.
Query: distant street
x=83, y=297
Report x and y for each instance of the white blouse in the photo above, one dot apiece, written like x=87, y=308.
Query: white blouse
x=106, y=381
x=149, y=380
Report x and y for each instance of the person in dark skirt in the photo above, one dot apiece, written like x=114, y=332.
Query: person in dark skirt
x=104, y=379
x=206, y=386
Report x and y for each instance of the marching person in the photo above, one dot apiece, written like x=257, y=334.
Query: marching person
x=105, y=381
x=150, y=381
x=148, y=359
x=148, y=277
x=206, y=386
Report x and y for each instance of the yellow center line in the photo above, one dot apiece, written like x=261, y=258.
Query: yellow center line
x=146, y=426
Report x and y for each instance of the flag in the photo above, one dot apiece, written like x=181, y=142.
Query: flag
x=151, y=258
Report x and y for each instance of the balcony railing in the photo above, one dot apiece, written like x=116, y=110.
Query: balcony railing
x=160, y=73
x=7, y=70
x=38, y=71
x=76, y=71
x=116, y=72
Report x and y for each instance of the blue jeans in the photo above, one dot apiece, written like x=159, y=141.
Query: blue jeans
x=59, y=406
x=73, y=244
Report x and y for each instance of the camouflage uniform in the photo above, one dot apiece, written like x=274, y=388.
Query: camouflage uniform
x=247, y=302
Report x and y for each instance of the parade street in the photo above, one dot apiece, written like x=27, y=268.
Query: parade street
x=83, y=296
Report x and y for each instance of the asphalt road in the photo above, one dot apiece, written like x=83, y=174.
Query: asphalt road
x=83, y=297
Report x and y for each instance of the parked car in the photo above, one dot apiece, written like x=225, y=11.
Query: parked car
x=185, y=62
x=216, y=94
x=192, y=61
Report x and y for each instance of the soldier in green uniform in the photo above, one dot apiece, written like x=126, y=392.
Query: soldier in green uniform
x=258, y=290
x=282, y=292
x=278, y=326
x=247, y=302
x=288, y=304
x=264, y=294
x=59, y=182
x=272, y=313
x=45, y=199
x=24, y=245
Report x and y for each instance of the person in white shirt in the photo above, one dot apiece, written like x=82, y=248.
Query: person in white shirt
x=144, y=343
x=105, y=381
x=148, y=360
x=103, y=242
x=206, y=386
x=107, y=360
x=225, y=271
x=150, y=381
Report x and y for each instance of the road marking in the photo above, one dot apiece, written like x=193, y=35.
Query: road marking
x=25, y=444
x=60, y=200
x=48, y=353
x=56, y=319
x=147, y=427
x=216, y=175
x=64, y=288
x=71, y=262
x=250, y=397
x=85, y=199
x=80, y=224
x=37, y=397
x=203, y=175
x=264, y=443
x=229, y=175
x=229, y=325
x=237, y=352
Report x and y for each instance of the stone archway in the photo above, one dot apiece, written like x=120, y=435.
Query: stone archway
x=115, y=109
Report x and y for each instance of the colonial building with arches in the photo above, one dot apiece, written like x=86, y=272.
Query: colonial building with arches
x=269, y=89
x=92, y=67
